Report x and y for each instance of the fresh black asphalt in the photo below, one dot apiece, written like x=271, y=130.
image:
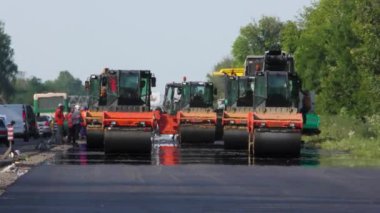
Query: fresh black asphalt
x=193, y=188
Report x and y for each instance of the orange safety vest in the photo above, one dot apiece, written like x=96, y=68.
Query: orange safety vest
x=59, y=117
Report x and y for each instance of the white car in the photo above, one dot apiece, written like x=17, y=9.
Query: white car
x=43, y=124
x=24, y=118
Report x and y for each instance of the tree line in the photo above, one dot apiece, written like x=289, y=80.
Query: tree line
x=16, y=89
x=336, y=45
x=25, y=87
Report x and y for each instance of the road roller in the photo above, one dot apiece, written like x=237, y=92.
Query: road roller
x=276, y=123
x=237, y=97
x=236, y=87
x=239, y=103
x=196, y=117
x=119, y=119
x=128, y=121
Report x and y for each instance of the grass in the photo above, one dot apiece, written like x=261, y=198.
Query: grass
x=355, y=142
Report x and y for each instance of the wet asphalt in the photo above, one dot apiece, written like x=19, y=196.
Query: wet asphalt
x=192, y=178
x=168, y=152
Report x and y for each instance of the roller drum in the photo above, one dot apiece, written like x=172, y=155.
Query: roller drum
x=95, y=137
x=127, y=141
x=277, y=144
x=196, y=134
x=235, y=139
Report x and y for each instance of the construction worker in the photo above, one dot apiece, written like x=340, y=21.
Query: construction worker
x=258, y=67
x=76, y=120
x=306, y=104
x=59, y=119
x=71, y=132
x=197, y=99
x=247, y=99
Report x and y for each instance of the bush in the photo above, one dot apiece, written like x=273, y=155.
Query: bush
x=339, y=127
x=360, y=137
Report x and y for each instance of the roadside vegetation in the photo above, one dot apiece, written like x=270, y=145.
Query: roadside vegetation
x=354, y=138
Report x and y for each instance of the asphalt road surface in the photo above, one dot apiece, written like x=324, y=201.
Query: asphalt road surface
x=204, y=179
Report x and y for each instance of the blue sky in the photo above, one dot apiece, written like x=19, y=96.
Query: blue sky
x=170, y=37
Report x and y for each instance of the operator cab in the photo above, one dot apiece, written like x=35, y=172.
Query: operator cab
x=277, y=85
x=172, y=98
x=93, y=91
x=197, y=95
x=253, y=64
x=126, y=87
x=244, y=87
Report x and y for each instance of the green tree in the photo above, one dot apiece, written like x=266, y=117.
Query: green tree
x=8, y=69
x=324, y=55
x=256, y=37
x=290, y=35
x=25, y=89
x=66, y=83
x=367, y=54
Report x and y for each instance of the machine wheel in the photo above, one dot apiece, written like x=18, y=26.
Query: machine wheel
x=194, y=134
x=235, y=139
x=127, y=141
x=95, y=138
x=277, y=144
